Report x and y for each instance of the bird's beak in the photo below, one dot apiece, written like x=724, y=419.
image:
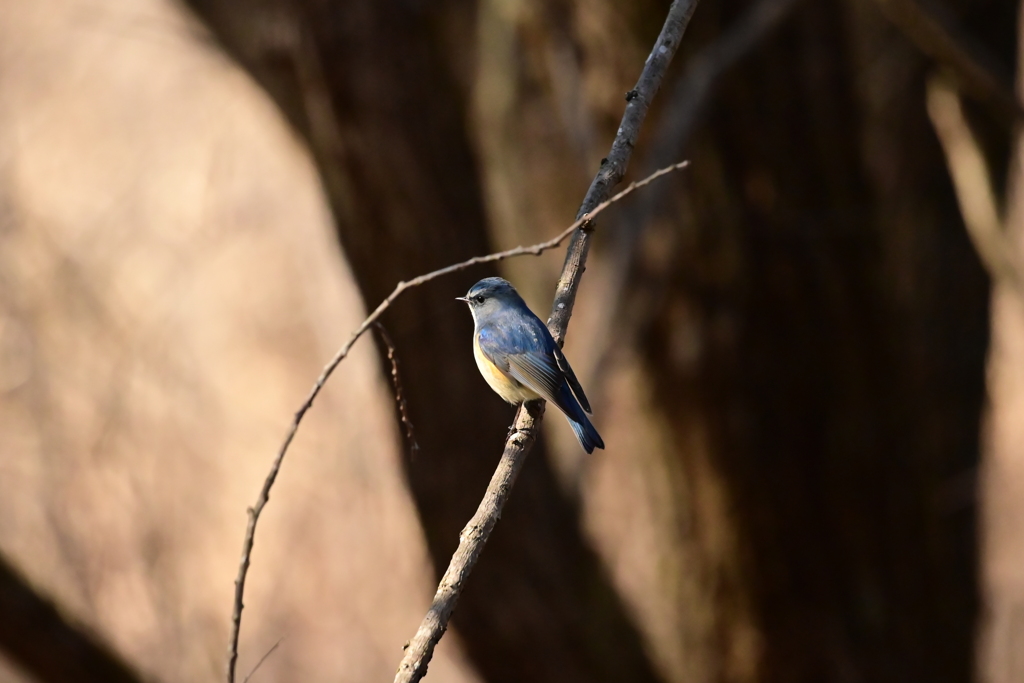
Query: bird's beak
x=461, y=298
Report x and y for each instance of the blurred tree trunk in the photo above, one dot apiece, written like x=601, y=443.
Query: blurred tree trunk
x=839, y=314
x=379, y=91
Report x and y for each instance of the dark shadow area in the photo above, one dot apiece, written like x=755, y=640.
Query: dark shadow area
x=37, y=637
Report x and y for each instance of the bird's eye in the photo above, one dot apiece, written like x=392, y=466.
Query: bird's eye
x=478, y=299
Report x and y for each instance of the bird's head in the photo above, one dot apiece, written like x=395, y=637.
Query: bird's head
x=489, y=296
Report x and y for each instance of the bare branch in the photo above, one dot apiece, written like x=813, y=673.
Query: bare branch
x=474, y=536
x=396, y=382
x=264, y=495
x=977, y=72
x=262, y=659
x=972, y=184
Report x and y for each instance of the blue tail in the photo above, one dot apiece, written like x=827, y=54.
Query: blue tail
x=585, y=432
x=578, y=420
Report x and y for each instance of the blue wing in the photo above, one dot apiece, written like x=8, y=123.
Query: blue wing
x=521, y=346
x=570, y=376
x=530, y=356
x=540, y=373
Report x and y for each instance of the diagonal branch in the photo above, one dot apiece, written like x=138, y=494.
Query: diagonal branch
x=264, y=495
x=976, y=71
x=263, y=659
x=474, y=536
x=973, y=185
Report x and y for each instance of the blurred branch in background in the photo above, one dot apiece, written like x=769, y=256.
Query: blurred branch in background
x=973, y=184
x=35, y=635
x=692, y=92
x=977, y=72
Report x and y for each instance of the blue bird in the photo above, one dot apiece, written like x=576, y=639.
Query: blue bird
x=520, y=360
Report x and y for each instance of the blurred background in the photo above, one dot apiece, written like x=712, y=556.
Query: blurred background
x=805, y=353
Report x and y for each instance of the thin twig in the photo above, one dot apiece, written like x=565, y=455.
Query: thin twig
x=262, y=659
x=474, y=536
x=264, y=495
x=396, y=382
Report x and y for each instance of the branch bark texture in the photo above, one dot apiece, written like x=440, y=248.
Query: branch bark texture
x=474, y=536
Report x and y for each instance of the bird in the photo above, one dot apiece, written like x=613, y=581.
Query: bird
x=520, y=360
